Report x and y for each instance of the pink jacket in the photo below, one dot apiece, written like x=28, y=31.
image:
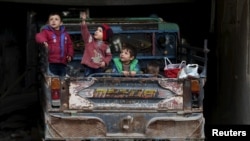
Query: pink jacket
x=59, y=44
x=94, y=51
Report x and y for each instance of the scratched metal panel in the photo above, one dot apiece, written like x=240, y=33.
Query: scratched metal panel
x=66, y=128
x=173, y=128
x=126, y=94
x=125, y=125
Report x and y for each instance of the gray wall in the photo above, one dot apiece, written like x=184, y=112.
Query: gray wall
x=232, y=35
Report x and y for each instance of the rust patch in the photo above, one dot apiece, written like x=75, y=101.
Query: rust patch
x=172, y=85
x=76, y=128
x=171, y=128
x=135, y=124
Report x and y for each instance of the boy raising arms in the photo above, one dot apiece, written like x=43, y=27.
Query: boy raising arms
x=59, y=44
x=97, y=53
x=126, y=63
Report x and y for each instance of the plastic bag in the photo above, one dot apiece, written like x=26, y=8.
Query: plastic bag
x=172, y=70
x=190, y=70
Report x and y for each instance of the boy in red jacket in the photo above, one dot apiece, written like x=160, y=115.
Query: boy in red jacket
x=97, y=53
x=59, y=44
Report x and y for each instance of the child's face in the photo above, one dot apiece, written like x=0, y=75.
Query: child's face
x=55, y=21
x=152, y=70
x=98, y=33
x=125, y=56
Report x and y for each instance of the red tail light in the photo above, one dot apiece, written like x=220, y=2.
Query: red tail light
x=55, y=94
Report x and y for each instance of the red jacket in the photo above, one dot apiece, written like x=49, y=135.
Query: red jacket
x=59, y=44
x=94, y=51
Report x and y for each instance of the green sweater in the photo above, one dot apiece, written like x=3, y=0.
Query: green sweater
x=118, y=67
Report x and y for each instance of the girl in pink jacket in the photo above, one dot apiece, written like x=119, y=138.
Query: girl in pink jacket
x=97, y=53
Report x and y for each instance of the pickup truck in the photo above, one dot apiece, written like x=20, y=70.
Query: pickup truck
x=108, y=106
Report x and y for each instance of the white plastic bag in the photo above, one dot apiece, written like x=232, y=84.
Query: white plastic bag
x=190, y=70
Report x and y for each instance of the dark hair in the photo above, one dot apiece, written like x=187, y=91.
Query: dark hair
x=153, y=64
x=56, y=13
x=132, y=50
x=153, y=67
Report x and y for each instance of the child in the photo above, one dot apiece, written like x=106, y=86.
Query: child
x=153, y=68
x=126, y=63
x=97, y=54
x=59, y=44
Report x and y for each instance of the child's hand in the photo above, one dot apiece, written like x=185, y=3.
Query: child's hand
x=102, y=65
x=132, y=73
x=45, y=44
x=83, y=15
x=68, y=58
x=129, y=73
x=125, y=73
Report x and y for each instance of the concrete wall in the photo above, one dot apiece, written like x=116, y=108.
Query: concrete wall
x=232, y=35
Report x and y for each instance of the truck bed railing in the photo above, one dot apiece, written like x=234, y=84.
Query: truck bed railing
x=195, y=55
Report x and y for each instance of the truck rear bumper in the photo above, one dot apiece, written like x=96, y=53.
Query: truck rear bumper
x=124, y=126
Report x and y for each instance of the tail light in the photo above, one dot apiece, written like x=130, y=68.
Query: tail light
x=195, y=86
x=55, y=91
x=55, y=94
x=195, y=89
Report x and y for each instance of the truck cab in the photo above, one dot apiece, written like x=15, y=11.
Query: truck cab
x=109, y=106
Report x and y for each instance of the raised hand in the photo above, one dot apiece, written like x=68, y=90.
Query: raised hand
x=83, y=16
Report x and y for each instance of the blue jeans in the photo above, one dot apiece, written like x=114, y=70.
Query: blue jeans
x=88, y=70
x=57, y=69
